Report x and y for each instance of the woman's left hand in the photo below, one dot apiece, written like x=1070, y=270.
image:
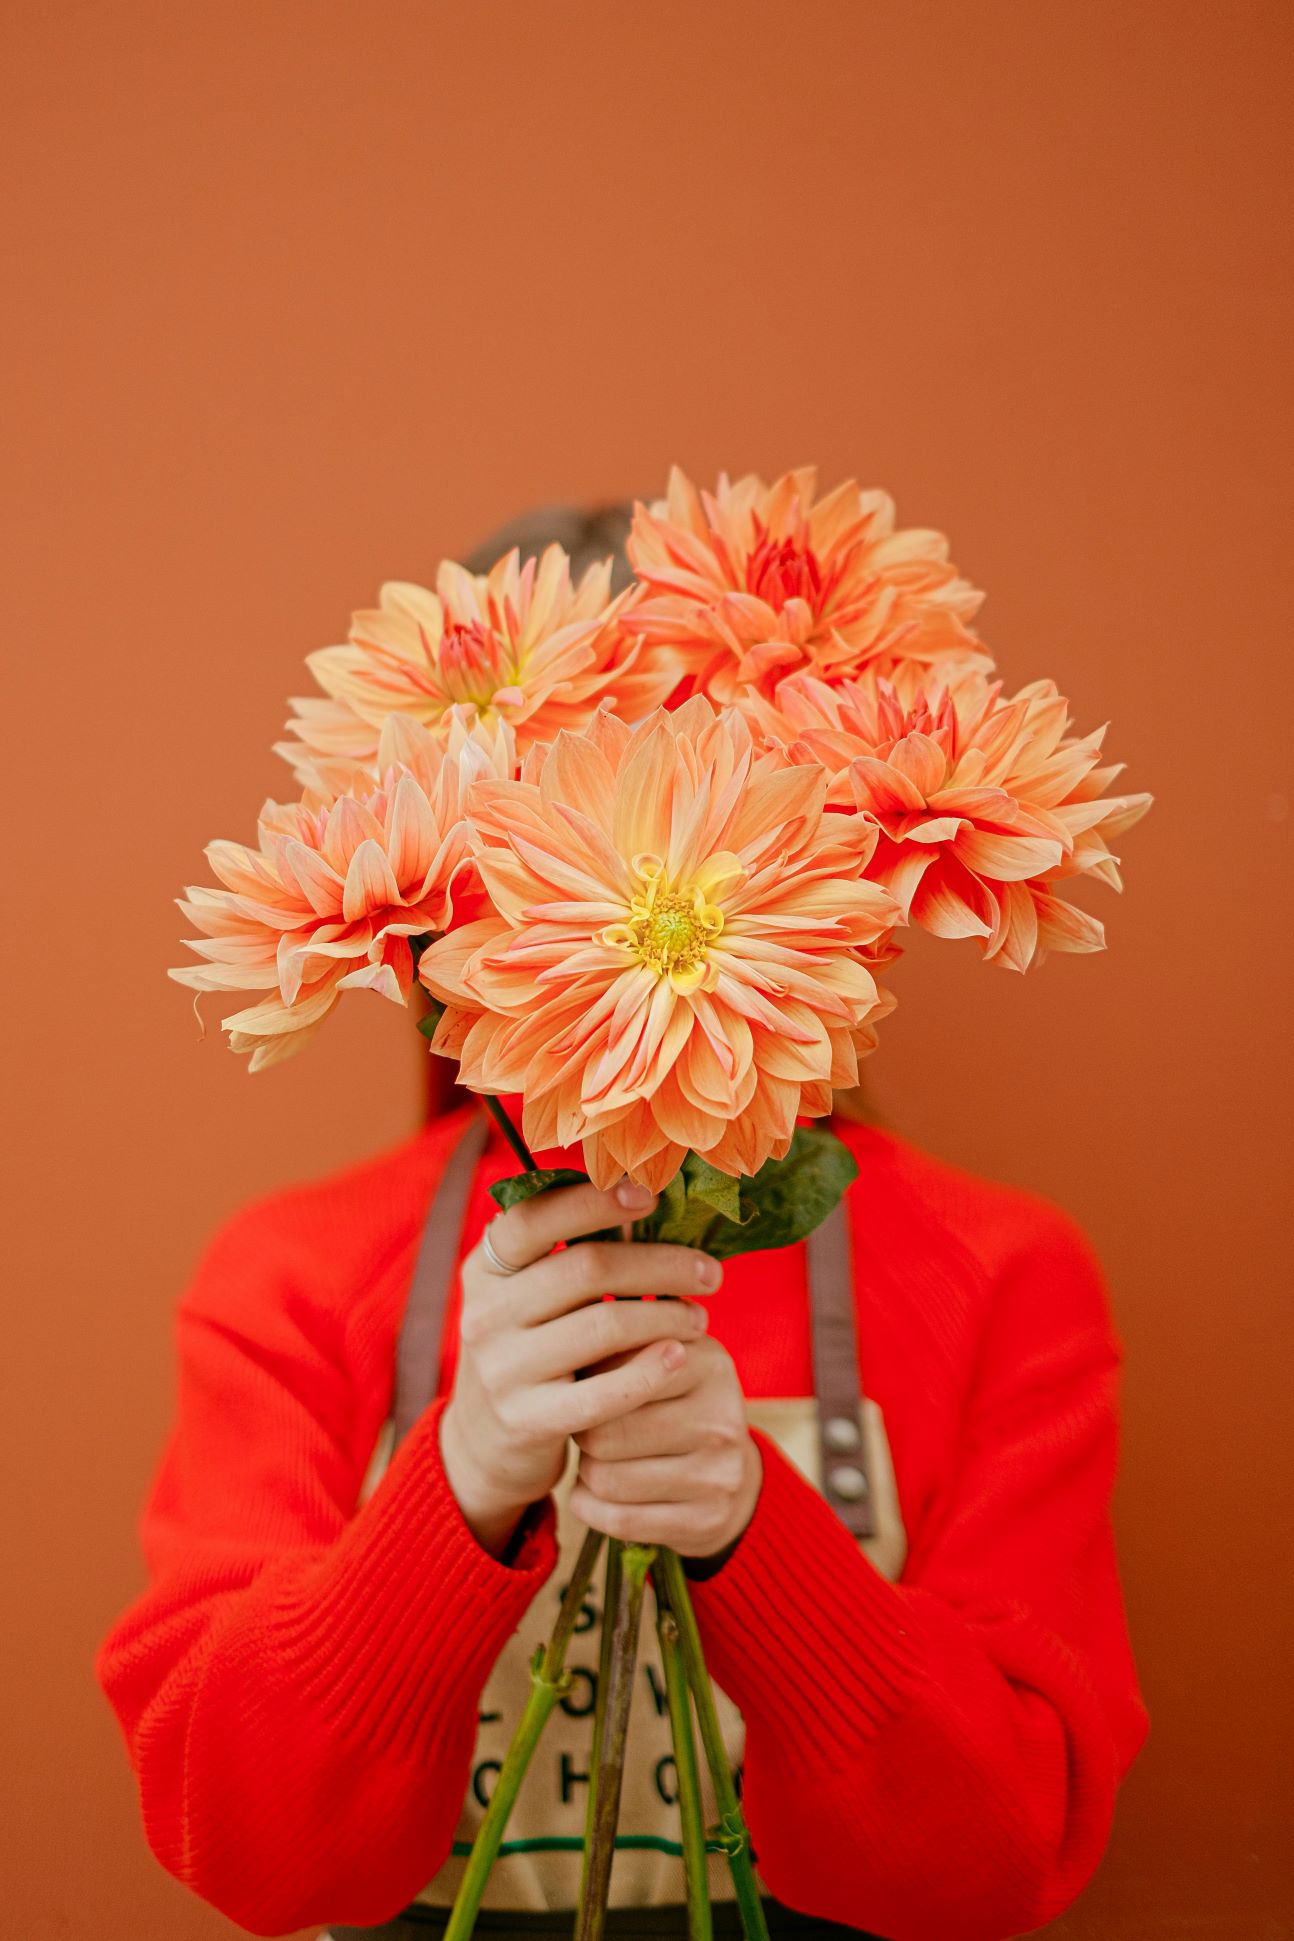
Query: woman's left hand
x=682, y=1470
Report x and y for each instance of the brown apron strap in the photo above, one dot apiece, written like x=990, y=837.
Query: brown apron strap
x=846, y=1484
x=837, y=1382
x=417, y=1356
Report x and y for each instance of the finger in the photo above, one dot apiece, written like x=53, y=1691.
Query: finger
x=663, y=1479
x=571, y=1408
x=668, y=1425
x=535, y=1226
x=689, y=1528
x=578, y=1275
x=591, y=1334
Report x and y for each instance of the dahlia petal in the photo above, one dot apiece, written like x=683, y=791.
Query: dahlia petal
x=451, y=1031
x=548, y=867
x=682, y=1121
x=972, y=804
x=443, y=965
x=921, y=761
x=1014, y=937
x=770, y=805
x=370, y=882
x=644, y=792
x=406, y=600
x=882, y=790
x=1090, y=857
x=240, y=869
x=374, y=977
x=317, y=881
x=727, y=1034
x=270, y=1051
x=903, y=875
x=709, y=1082
x=271, y=1017
x=225, y=977
x=578, y=775
x=835, y=517
x=412, y=835
x=609, y=1155
x=328, y=944
x=944, y=909
x=802, y=1063
x=925, y=829
x=1063, y=926
x=349, y=824
x=1005, y=858
x=272, y=916
x=1126, y=810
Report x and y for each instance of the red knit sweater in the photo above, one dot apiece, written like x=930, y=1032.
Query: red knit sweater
x=935, y=1760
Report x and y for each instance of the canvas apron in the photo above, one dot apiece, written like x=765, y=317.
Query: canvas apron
x=535, y=1883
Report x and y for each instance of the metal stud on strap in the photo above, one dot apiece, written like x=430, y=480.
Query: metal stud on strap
x=837, y=1378
x=844, y=1480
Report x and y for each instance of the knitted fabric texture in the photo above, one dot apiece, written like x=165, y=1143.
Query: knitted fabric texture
x=934, y=1760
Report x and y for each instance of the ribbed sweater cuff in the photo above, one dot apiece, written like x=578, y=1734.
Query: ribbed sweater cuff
x=800, y=1628
x=408, y=1609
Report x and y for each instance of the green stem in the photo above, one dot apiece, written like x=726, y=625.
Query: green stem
x=696, y=1875
x=607, y=1775
x=732, y=1829
x=497, y=1112
x=610, y=1600
x=549, y=1681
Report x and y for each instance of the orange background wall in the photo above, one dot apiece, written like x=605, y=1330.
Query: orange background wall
x=302, y=296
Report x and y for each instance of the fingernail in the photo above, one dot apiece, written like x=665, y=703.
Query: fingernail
x=675, y=1354
x=699, y=1319
x=629, y=1193
x=708, y=1271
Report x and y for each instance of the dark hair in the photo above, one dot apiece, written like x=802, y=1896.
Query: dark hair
x=588, y=533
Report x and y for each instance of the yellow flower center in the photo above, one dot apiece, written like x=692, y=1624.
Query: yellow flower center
x=668, y=928
x=672, y=932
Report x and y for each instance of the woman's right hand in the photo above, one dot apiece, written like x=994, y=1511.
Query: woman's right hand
x=524, y=1336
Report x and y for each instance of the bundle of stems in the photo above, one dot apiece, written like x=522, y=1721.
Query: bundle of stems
x=687, y=1688
x=687, y=1691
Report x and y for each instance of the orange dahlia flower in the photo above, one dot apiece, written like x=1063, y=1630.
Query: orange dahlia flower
x=984, y=804
x=331, y=896
x=681, y=949
x=756, y=582
x=521, y=644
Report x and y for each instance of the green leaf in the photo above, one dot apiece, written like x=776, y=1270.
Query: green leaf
x=523, y=1186
x=789, y=1197
x=718, y=1190
x=543, y=1179
x=785, y=1200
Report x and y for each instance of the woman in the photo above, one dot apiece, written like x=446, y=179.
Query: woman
x=397, y=1411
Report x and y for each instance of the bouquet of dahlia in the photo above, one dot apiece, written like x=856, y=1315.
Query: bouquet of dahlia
x=641, y=860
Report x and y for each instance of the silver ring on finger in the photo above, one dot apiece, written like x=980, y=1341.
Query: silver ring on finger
x=499, y=1265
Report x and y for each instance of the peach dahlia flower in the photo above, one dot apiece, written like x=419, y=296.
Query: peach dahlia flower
x=984, y=803
x=755, y=582
x=521, y=644
x=335, y=889
x=681, y=949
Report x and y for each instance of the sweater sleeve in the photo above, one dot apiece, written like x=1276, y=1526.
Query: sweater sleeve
x=937, y=1759
x=299, y=1684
